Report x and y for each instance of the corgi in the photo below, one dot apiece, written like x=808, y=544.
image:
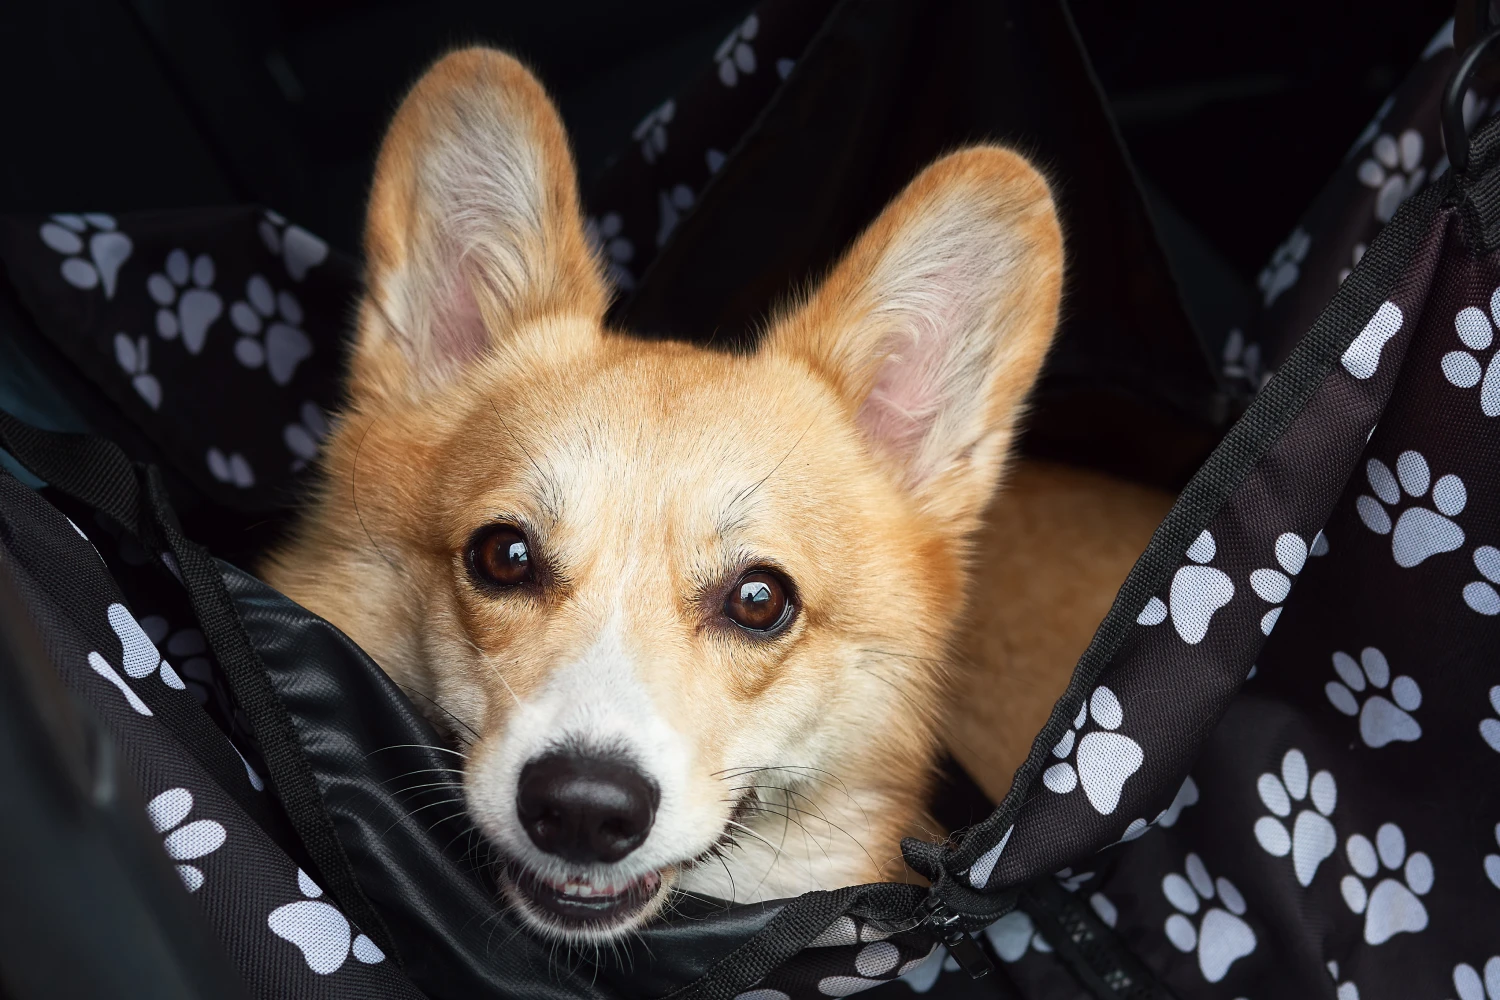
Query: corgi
x=690, y=612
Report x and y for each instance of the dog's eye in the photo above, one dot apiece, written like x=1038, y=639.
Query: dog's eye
x=499, y=555
x=758, y=602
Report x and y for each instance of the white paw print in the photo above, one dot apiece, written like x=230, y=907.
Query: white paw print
x=300, y=251
x=320, y=931
x=1197, y=592
x=1013, y=935
x=615, y=250
x=232, y=468
x=734, y=54
x=1489, y=728
x=1394, y=169
x=1102, y=759
x=1187, y=795
x=270, y=324
x=1419, y=532
x=1362, y=357
x=304, y=438
x=1468, y=984
x=651, y=132
x=1381, y=720
x=188, y=842
x=134, y=356
x=670, y=205
x=1242, y=359
x=186, y=311
x=1312, y=839
x=1071, y=880
x=139, y=657
x=1342, y=991
x=1480, y=595
x=1285, y=265
x=1393, y=907
x=1468, y=368
x=1273, y=585
x=188, y=645
x=107, y=249
x=1221, y=938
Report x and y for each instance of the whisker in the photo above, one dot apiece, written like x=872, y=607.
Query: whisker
x=416, y=746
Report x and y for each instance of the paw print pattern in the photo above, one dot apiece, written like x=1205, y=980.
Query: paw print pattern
x=1312, y=839
x=1469, y=985
x=651, y=132
x=670, y=207
x=1242, y=358
x=1382, y=720
x=140, y=659
x=1480, y=595
x=1013, y=935
x=1361, y=358
x=1285, y=266
x=184, y=842
x=270, y=326
x=1342, y=991
x=94, y=249
x=1489, y=728
x=1102, y=759
x=1196, y=593
x=1221, y=937
x=1394, y=169
x=300, y=251
x=1420, y=532
x=232, y=468
x=1273, y=585
x=614, y=249
x=304, y=438
x=134, y=357
x=734, y=54
x=1187, y=795
x=188, y=646
x=320, y=931
x=1469, y=368
x=1393, y=907
x=189, y=305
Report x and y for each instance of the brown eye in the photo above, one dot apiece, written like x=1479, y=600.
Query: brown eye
x=500, y=556
x=758, y=602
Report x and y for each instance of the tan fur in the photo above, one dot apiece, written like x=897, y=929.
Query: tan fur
x=1056, y=546
x=647, y=475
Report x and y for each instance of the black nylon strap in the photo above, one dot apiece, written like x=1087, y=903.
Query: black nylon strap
x=95, y=472
x=1088, y=946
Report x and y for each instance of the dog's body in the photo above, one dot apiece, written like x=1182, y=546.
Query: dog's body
x=696, y=607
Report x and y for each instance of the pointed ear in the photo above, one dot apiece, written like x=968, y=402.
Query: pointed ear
x=474, y=226
x=934, y=326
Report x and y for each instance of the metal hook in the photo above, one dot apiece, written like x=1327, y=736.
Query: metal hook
x=1455, y=134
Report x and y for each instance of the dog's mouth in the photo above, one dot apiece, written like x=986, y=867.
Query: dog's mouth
x=582, y=905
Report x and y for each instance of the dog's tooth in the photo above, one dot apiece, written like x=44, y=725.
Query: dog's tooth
x=585, y=890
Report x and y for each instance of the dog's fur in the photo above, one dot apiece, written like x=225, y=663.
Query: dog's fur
x=856, y=452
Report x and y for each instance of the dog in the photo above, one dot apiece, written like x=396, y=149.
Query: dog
x=690, y=611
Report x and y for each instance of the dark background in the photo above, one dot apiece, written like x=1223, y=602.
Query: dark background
x=1235, y=113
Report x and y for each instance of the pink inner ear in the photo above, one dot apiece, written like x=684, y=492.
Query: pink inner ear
x=908, y=393
x=458, y=331
x=915, y=379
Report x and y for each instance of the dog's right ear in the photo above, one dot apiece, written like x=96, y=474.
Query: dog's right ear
x=474, y=228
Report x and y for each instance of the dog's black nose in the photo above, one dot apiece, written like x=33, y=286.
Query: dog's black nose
x=585, y=808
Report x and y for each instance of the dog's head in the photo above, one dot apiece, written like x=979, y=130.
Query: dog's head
x=677, y=599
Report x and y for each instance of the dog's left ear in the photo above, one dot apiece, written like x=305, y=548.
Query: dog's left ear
x=935, y=324
x=474, y=228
